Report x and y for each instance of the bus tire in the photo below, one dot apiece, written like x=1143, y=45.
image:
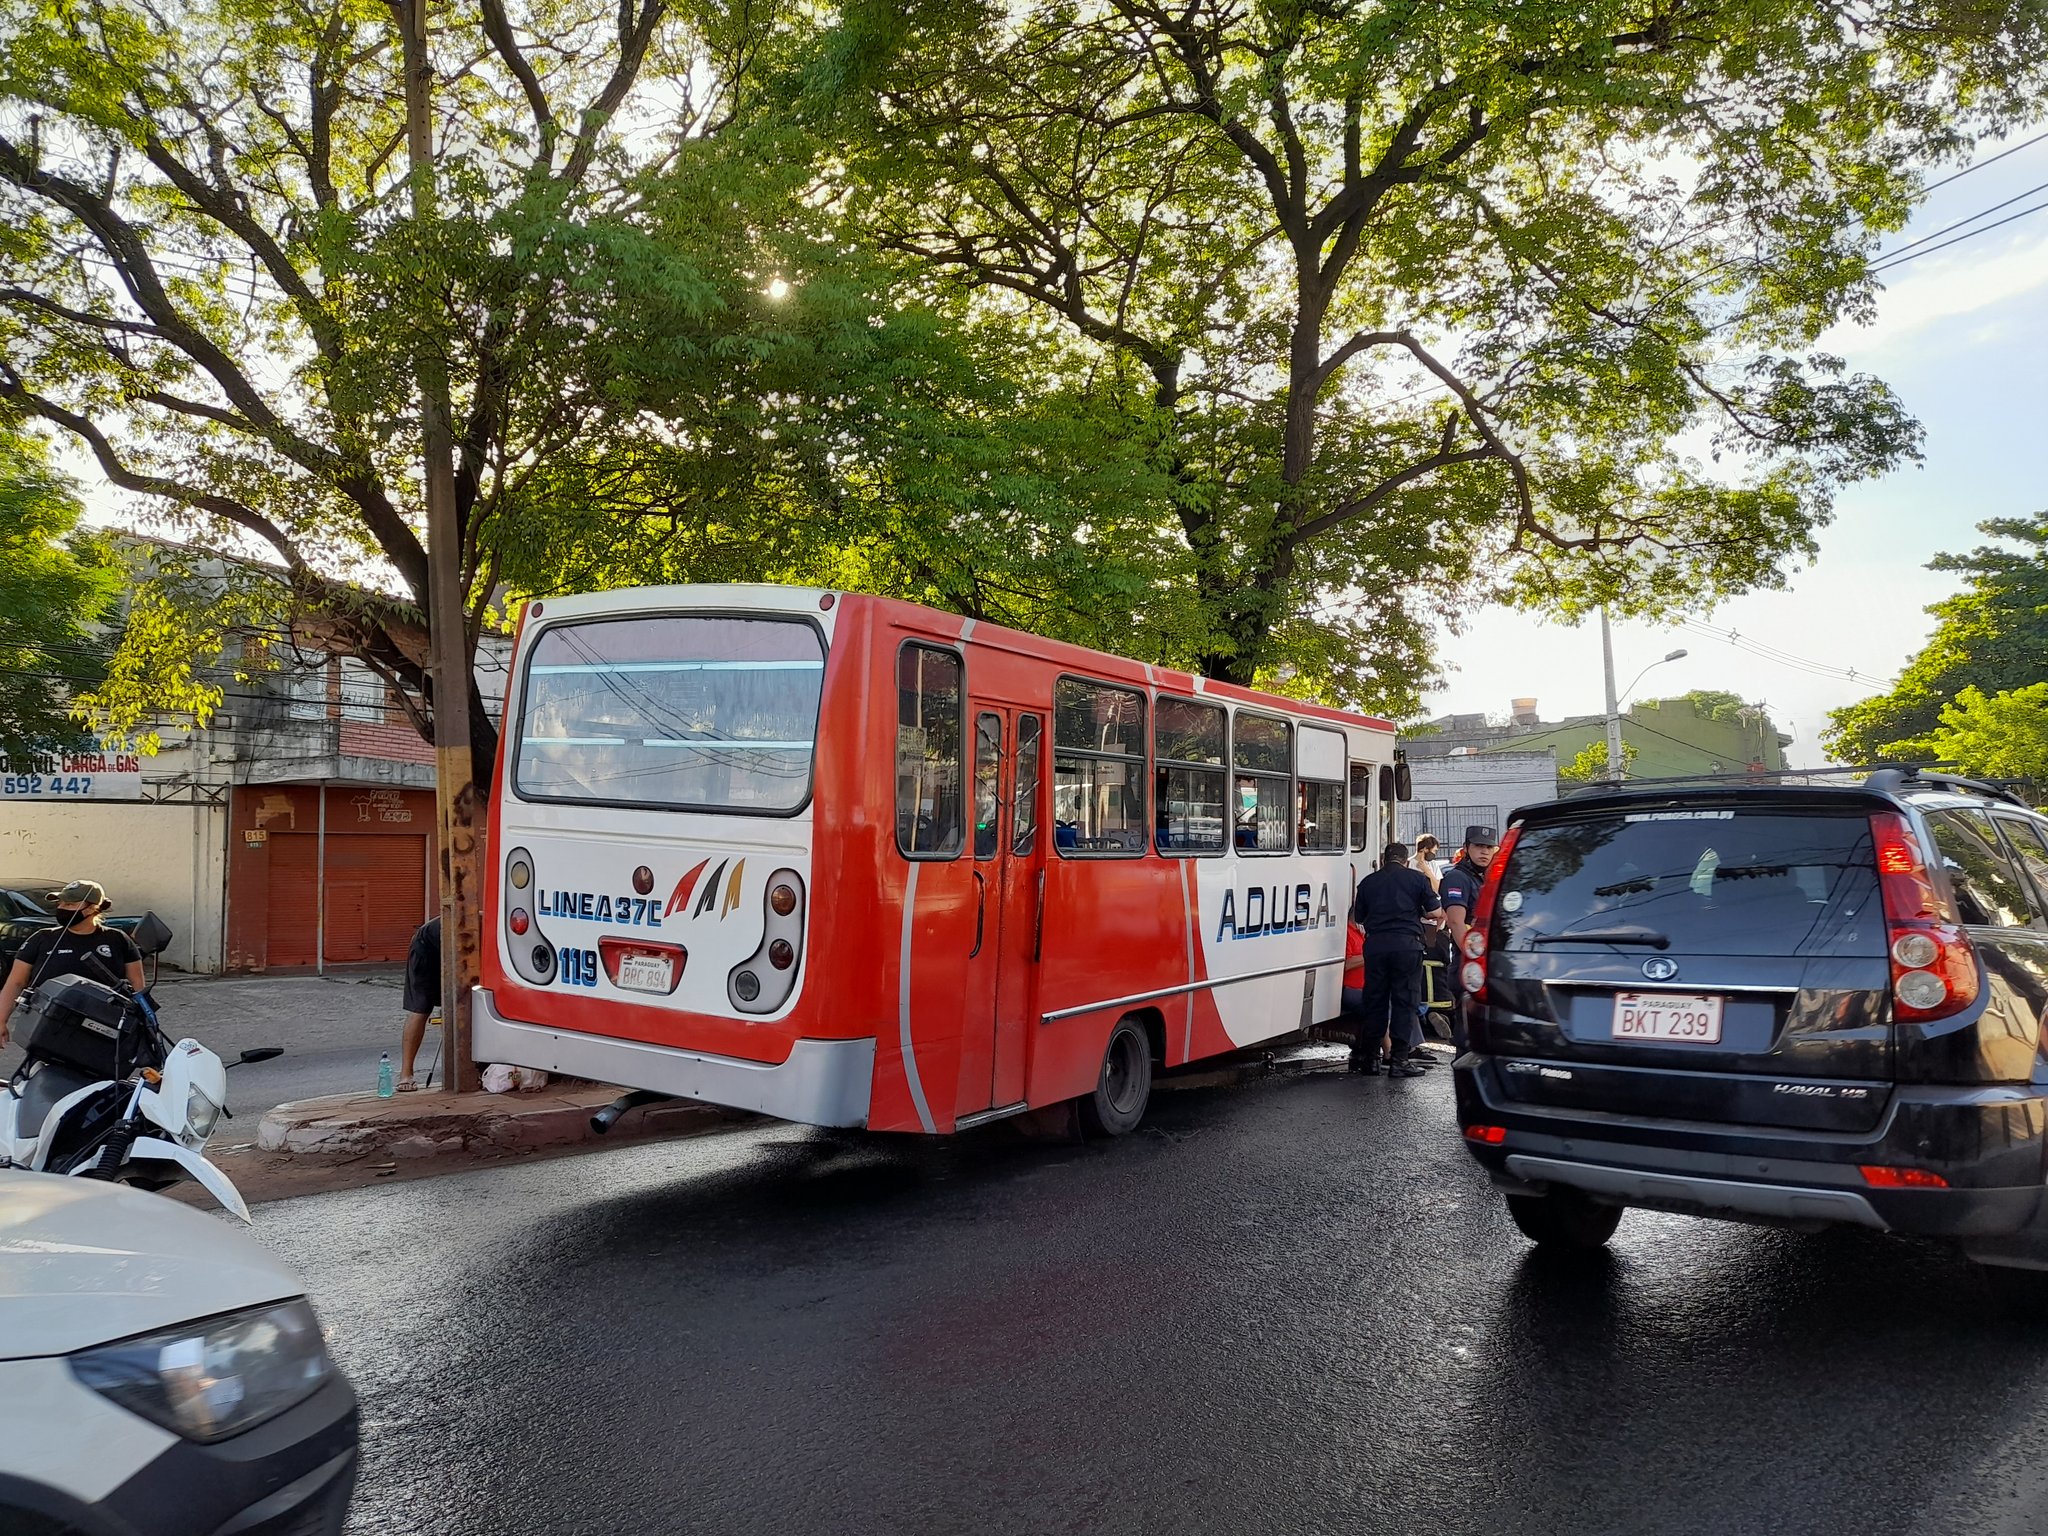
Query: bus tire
x=1124, y=1085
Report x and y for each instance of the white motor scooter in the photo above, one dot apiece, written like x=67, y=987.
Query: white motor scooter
x=104, y=1094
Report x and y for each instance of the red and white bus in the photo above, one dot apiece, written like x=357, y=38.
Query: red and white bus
x=854, y=862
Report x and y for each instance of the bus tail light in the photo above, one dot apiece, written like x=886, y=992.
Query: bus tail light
x=1473, y=972
x=1934, y=969
x=765, y=980
x=636, y=965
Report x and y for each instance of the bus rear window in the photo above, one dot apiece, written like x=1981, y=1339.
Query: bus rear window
x=716, y=714
x=1706, y=882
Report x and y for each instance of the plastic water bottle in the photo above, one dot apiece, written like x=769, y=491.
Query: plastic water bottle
x=385, y=1086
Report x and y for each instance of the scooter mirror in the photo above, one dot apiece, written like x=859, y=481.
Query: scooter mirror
x=152, y=935
x=261, y=1053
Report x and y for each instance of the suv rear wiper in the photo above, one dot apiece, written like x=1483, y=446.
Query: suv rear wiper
x=1641, y=936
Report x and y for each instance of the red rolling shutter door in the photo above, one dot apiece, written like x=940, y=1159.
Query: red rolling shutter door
x=293, y=858
x=376, y=896
x=391, y=871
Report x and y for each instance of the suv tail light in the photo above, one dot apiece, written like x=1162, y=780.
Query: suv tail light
x=1472, y=974
x=1934, y=969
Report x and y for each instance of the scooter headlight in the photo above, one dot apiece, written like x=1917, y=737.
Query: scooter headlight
x=201, y=1116
x=212, y=1379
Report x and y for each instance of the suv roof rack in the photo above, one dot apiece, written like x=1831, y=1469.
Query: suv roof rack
x=1769, y=777
x=1892, y=778
x=1912, y=776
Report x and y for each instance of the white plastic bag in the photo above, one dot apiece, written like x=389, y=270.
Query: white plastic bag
x=530, y=1079
x=499, y=1078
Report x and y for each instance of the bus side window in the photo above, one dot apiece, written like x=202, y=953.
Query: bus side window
x=1024, y=818
x=1189, y=777
x=1098, y=769
x=1361, y=806
x=930, y=777
x=988, y=773
x=1319, y=812
x=1263, y=750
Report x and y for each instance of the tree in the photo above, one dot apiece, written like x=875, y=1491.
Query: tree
x=1715, y=704
x=56, y=586
x=217, y=283
x=1999, y=736
x=665, y=358
x=1992, y=636
x=1431, y=289
x=1590, y=766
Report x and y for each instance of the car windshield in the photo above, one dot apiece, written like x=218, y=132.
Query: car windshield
x=711, y=713
x=1734, y=882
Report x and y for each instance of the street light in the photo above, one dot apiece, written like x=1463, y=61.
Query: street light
x=1615, y=763
x=1631, y=688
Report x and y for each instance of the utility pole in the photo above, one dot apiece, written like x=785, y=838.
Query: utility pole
x=447, y=611
x=1615, y=763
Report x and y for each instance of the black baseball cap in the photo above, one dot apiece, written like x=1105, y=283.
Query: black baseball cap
x=1482, y=837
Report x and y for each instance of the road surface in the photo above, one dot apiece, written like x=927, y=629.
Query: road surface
x=1292, y=1306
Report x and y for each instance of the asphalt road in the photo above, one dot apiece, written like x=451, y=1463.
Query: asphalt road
x=1292, y=1306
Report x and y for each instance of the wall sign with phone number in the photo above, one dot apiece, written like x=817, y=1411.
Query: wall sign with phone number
x=78, y=786
x=72, y=776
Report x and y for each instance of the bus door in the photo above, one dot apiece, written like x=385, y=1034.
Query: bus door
x=1009, y=883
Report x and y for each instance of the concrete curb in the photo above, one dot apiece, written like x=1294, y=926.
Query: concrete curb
x=435, y=1123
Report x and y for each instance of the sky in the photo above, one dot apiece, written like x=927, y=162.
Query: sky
x=1961, y=335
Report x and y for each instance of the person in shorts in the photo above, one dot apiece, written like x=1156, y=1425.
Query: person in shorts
x=422, y=997
x=80, y=945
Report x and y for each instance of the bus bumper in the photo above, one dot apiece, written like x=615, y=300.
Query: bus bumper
x=824, y=1082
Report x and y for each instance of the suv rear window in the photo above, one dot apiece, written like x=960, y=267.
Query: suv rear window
x=1712, y=882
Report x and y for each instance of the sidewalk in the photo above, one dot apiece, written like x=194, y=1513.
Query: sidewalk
x=435, y=1123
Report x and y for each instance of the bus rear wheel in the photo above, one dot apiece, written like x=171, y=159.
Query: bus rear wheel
x=1124, y=1086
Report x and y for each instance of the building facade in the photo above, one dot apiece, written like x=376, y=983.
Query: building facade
x=295, y=833
x=1672, y=738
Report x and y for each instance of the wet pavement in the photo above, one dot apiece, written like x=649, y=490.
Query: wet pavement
x=1293, y=1306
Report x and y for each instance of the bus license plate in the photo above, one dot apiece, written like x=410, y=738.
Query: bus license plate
x=1682, y=1017
x=647, y=973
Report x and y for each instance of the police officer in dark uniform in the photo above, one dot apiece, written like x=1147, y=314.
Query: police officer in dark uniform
x=1459, y=891
x=1394, y=905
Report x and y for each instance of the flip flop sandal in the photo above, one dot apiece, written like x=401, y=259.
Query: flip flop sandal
x=408, y=1085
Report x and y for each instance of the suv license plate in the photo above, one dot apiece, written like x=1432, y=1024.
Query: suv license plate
x=1682, y=1017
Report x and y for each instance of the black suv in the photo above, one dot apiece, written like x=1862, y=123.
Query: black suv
x=1790, y=1003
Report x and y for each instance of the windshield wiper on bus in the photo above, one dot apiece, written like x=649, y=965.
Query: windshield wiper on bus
x=1641, y=936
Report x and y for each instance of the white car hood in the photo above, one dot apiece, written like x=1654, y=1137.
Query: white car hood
x=83, y=1263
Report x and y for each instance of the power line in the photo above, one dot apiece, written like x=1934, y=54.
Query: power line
x=1785, y=658
x=1979, y=165
x=1884, y=258
x=1959, y=239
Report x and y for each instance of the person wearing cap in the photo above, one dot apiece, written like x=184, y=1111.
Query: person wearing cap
x=1459, y=890
x=81, y=946
x=1394, y=906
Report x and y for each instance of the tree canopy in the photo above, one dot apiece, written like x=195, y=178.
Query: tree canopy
x=2000, y=736
x=1193, y=333
x=1992, y=637
x=1590, y=766
x=56, y=586
x=1431, y=289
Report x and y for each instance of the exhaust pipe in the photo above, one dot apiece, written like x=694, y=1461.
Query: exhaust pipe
x=606, y=1118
